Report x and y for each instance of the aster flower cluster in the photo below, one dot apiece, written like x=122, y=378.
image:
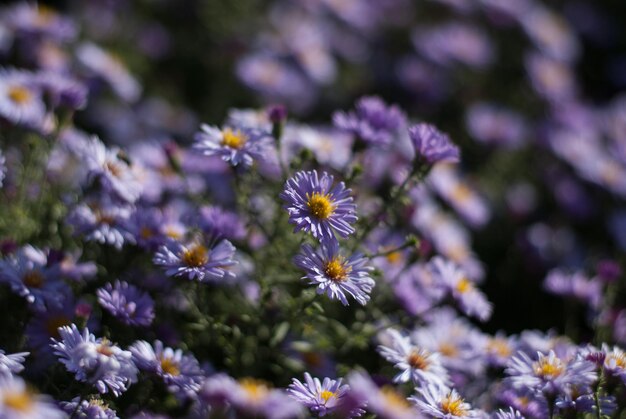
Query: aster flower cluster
x=370, y=240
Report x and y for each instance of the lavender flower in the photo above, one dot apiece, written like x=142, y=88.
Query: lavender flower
x=575, y=285
x=29, y=276
x=12, y=363
x=93, y=408
x=249, y=396
x=321, y=398
x=127, y=303
x=550, y=374
x=104, y=222
x=237, y=146
x=416, y=364
x=471, y=301
x=95, y=361
x=196, y=261
x=432, y=146
x=21, y=100
x=508, y=414
x=318, y=207
x=17, y=401
x=181, y=373
x=221, y=224
x=334, y=274
x=441, y=402
x=373, y=122
x=385, y=402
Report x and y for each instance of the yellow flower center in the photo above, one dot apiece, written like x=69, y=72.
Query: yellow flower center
x=33, y=279
x=233, y=139
x=256, y=389
x=394, y=400
x=105, y=348
x=19, y=95
x=319, y=205
x=197, y=255
x=325, y=395
x=548, y=368
x=146, y=233
x=464, y=286
x=453, y=404
x=448, y=349
x=114, y=168
x=173, y=233
x=500, y=347
x=394, y=257
x=418, y=360
x=461, y=193
x=336, y=269
x=19, y=401
x=169, y=366
x=45, y=14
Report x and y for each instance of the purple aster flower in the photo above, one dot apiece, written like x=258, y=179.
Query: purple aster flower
x=104, y=222
x=181, y=373
x=112, y=172
x=38, y=20
x=127, y=303
x=448, y=276
x=249, y=396
x=95, y=361
x=575, y=285
x=550, y=374
x=28, y=274
x=432, y=146
x=93, y=408
x=221, y=224
x=614, y=362
x=62, y=90
x=21, y=100
x=321, y=398
x=508, y=414
x=442, y=402
x=386, y=402
x=12, y=363
x=417, y=364
x=373, y=121
x=495, y=125
x=106, y=67
x=315, y=205
x=527, y=402
x=334, y=274
x=196, y=260
x=17, y=401
x=234, y=145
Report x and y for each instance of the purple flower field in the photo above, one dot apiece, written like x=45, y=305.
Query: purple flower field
x=300, y=209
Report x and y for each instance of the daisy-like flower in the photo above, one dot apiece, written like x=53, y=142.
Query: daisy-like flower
x=550, y=374
x=384, y=402
x=432, y=146
x=234, y=145
x=21, y=100
x=93, y=408
x=12, y=363
x=249, y=396
x=39, y=21
x=127, y=303
x=415, y=363
x=615, y=362
x=334, y=274
x=373, y=121
x=28, y=274
x=95, y=361
x=321, y=398
x=471, y=301
x=181, y=373
x=221, y=224
x=196, y=260
x=441, y=402
x=316, y=206
x=18, y=401
x=105, y=222
x=114, y=173
x=508, y=414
